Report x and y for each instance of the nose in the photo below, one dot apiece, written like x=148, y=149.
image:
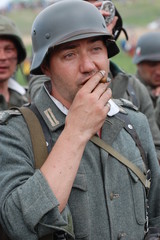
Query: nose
x=87, y=64
x=2, y=54
x=158, y=68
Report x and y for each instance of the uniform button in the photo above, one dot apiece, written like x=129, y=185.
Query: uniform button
x=114, y=196
x=121, y=235
x=16, y=111
x=130, y=126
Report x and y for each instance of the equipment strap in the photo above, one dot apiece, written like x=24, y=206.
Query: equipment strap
x=131, y=130
x=37, y=136
x=143, y=178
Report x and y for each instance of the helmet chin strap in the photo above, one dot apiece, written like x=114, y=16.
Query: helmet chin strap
x=118, y=31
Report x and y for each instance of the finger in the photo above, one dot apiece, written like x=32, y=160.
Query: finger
x=112, y=24
x=105, y=13
x=92, y=83
x=106, y=96
x=99, y=90
x=107, y=106
x=97, y=4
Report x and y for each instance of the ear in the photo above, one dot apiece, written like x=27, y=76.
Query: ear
x=45, y=70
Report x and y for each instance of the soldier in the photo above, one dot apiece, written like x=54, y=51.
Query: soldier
x=12, y=53
x=123, y=85
x=147, y=60
x=81, y=191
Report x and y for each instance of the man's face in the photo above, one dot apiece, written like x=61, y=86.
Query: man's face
x=73, y=64
x=150, y=72
x=8, y=59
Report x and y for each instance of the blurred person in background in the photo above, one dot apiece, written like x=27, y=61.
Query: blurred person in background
x=157, y=111
x=123, y=85
x=12, y=53
x=147, y=60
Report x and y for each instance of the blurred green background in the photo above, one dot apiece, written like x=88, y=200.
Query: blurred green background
x=137, y=15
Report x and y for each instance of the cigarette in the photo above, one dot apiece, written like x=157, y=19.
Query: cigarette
x=103, y=79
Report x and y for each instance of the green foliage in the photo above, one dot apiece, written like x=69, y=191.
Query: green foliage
x=124, y=61
x=23, y=19
x=138, y=12
x=20, y=77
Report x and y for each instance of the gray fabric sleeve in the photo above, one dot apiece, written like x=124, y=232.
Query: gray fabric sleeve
x=28, y=206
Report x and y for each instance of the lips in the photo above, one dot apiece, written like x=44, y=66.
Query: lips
x=4, y=70
x=84, y=81
x=4, y=67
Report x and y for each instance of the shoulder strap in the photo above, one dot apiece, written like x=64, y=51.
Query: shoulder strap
x=143, y=178
x=37, y=136
x=131, y=130
x=46, y=131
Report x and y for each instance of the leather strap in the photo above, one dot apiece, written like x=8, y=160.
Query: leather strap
x=131, y=130
x=46, y=131
x=143, y=178
x=37, y=136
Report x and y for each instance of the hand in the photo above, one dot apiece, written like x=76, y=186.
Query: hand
x=89, y=108
x=112, y=25
x=105, y=14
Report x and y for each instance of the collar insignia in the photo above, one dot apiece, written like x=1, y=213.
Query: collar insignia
x=50, y=116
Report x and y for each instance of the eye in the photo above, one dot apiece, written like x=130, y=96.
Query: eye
x=9, y=49
x=152, y=64
x=69, y=55
x=97, y=48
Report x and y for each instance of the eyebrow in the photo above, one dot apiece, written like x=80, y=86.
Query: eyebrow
x=72, y=45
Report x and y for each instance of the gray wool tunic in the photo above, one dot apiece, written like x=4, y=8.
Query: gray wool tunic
x=107, y=200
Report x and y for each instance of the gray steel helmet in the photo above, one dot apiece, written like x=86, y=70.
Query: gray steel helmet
x=118, y=28
x=9, y=30
x=147, y=48
x=66, y=21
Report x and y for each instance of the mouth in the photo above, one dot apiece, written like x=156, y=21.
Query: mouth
x=84, y=81
x=3, y=68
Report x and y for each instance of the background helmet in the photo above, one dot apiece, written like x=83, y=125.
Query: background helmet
x=9, y=30
x=66, y=21
x=147, y=48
